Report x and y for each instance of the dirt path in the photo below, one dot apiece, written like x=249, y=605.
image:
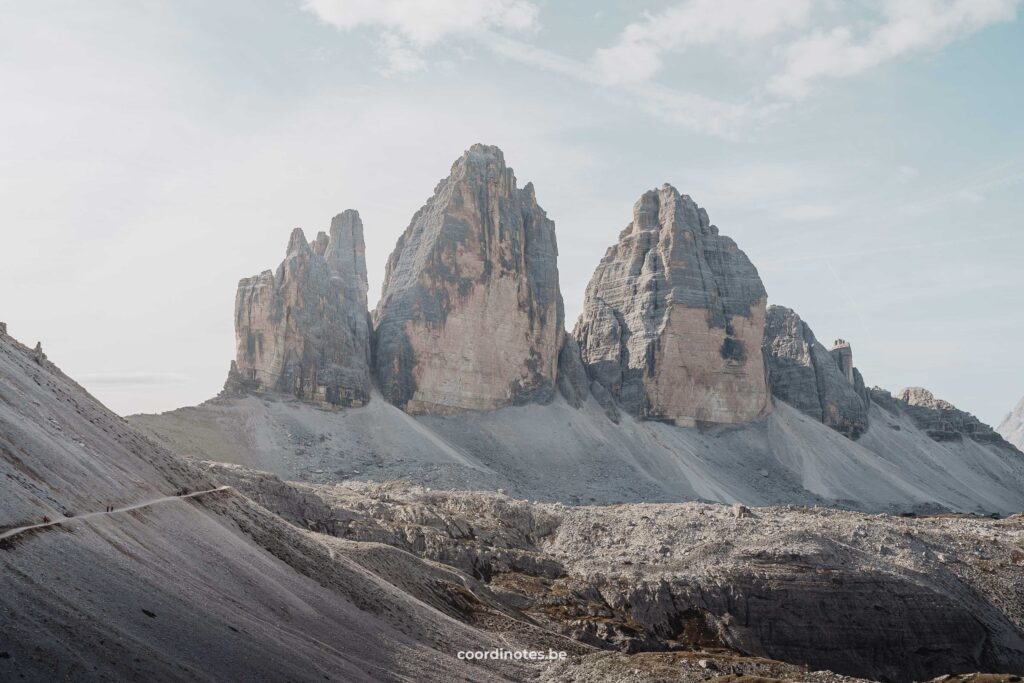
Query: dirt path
x=134, y=506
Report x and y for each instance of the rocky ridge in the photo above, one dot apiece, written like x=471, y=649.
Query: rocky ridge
x=941, y=420
x=1012, y=426
x=675, y=333
x=478, y=262
x=674, y=327
x=304, y=329
x=820, y=383
x=673, y=319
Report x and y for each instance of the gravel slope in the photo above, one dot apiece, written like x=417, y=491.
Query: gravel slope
x=559, y=453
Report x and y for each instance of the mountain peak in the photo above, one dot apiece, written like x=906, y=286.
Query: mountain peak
x=478, y=261
x=297, y=242
x=303, y=330
x=674, y=318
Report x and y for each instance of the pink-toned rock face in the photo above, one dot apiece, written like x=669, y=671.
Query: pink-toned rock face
x=674, y=317
x=304, y=330
x=470, y=317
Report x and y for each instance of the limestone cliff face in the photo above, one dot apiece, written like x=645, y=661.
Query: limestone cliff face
x=304, y=329
x=1012, y=427
x=674, y=317
x=471, y=317
x=820, y=383
x=940, y=419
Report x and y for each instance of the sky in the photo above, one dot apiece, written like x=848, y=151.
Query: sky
x=868, y=156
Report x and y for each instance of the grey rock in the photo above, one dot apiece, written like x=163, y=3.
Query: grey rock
x=573, y=382
x=941, y=420
x=842, y=354
x=820, y=383
x=883, y=597
x=305, y=330
x=1012, y=426
x=860, y=387
x=673, y=318
x=606, y=401
x=471, y=316
x=37, y=353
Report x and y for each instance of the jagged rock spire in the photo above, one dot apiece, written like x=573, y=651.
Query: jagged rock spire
x=471, y=315
x=304, y=330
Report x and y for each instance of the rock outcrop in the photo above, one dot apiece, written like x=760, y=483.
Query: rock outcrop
x=1012, y=426
x=883, y=597
x=674, y=317
x=573, y=382
x=820, y=383
x=941, y=420
x=471, y=317
x=305, y=329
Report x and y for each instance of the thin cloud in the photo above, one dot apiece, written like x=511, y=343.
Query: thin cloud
x=425, y=22
x=400, y=58
x=697, y=112
x=638, y=54
x=627, y=69
x=408, y=27
x=907, y=26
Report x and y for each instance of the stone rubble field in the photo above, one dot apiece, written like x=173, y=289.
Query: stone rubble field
x=869, y=595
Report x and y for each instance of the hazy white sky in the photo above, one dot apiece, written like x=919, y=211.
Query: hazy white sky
x=866, y=155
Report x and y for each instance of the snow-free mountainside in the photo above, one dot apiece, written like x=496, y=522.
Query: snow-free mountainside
x=678, y=383
x=687, y=487
x=206, y=588
x=213, y=572
x=1012, y=427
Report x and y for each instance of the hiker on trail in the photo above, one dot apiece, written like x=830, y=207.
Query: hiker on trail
x=46, y=520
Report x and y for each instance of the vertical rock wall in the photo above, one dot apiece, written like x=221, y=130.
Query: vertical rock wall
x=471, y=317
x=674, y=317
x=304, y=329
x=822, y=384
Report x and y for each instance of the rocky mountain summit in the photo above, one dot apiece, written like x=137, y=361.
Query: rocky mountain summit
x=471, y=317
x=1012, y=426
x=673, y=319
x=304, y=329
x=677, y=383
x=820, y=383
